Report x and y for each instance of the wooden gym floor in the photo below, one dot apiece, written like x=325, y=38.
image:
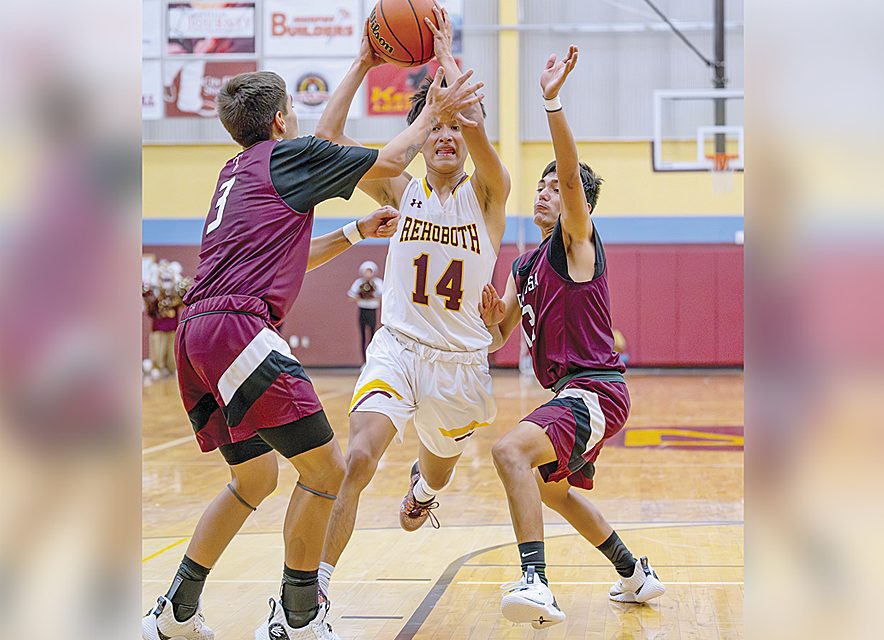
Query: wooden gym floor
x=671, y=485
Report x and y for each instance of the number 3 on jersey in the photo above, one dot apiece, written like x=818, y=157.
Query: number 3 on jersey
x=222, y=202
x=528, y=312
x=450, y=285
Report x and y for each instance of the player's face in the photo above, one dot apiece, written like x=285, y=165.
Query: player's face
x=547, y=205
x=445, y=151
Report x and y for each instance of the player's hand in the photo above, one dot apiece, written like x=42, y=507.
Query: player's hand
x=448, y=102
x=553, y=76
x=491, y=308
x=367, y=57
x=443, y=35
x=381, y=223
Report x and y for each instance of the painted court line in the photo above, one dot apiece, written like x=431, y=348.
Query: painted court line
x=276, y=581
x=163, y=550
x=608, y=582
x=167, y=445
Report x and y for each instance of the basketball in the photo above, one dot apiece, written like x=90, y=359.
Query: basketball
x=398, y=33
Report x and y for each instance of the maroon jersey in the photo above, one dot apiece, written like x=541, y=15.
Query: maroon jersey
x=256, y=239
x=567, y=324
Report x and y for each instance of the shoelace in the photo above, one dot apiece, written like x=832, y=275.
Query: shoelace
x=416, y=509
x=513, y=586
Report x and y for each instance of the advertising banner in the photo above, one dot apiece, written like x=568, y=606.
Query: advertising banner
x=389, y=88
x=311, y=82
x=206, y=28
x=151, y=90
x=190, y=87
x=312, y=28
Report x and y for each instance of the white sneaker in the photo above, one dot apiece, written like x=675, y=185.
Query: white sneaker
x=160, y=624
x=641, y=586
x=529, y=600
x=277, y=627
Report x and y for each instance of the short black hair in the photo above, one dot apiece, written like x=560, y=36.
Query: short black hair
x=419, y=99
x=592, y=182
x=248, y=103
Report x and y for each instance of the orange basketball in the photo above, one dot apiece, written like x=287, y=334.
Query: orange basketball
x=398, y=33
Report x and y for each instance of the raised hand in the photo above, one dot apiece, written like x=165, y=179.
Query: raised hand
x=380, y=223
x=443, y=34
x=448, y=102
x=367, y=57
x=553, y=76
x=491, y=308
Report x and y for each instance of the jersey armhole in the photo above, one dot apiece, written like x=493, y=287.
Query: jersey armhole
x=558, y=256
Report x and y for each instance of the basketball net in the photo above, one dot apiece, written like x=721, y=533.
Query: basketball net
x=722, y=172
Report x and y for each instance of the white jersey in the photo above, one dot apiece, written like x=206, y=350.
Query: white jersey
x=437, y=265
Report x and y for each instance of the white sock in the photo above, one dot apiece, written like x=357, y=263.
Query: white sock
x=325, y=574
x=424, y=493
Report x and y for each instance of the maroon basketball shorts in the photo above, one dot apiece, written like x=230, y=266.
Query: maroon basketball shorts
x=236, y=373
x=578, y=421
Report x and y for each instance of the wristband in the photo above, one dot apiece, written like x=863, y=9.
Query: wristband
x=352, y=233
x=552, y=105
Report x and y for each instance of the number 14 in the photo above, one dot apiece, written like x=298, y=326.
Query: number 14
x=450, y=285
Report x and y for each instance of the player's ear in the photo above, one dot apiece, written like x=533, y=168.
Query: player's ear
x=279, y=126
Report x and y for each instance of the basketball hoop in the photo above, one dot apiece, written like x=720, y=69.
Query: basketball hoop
x=722, y=171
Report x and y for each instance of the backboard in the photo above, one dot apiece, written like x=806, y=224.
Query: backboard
x=698, y=130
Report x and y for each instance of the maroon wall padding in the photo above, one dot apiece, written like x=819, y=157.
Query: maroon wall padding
x=677, y=305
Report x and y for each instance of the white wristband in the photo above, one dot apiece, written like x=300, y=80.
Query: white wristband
x=352, y=232
x=552, y=105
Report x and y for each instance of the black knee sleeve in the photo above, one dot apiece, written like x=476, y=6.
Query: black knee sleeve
x=239, y=452
x=300, y=436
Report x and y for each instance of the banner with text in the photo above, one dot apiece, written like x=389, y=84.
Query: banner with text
x=389, y=88
x=206, y=28
x=191, y=87
x=312, y=28
x=151, y=90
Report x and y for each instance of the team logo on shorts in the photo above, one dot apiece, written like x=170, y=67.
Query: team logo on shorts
x=311, y=90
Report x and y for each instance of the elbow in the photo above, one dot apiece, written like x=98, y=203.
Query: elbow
x=570, y=177
x=324, y=132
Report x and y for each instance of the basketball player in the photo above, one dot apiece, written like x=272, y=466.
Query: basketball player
x=429, y=362
x=244, y=391
x=560, y=292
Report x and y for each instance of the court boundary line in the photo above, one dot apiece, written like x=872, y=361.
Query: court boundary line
x=642, y=524
x=167, y=445
x=428, y=604
x=163, y=550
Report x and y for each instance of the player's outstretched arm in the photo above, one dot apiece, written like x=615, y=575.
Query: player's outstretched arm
x=380, y=223
x=499, y=315
x=575, y=210
x=386, y=191
x=491, y=179
x=334, y=116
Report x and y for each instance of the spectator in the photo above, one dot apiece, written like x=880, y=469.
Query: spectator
x=366, y=291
